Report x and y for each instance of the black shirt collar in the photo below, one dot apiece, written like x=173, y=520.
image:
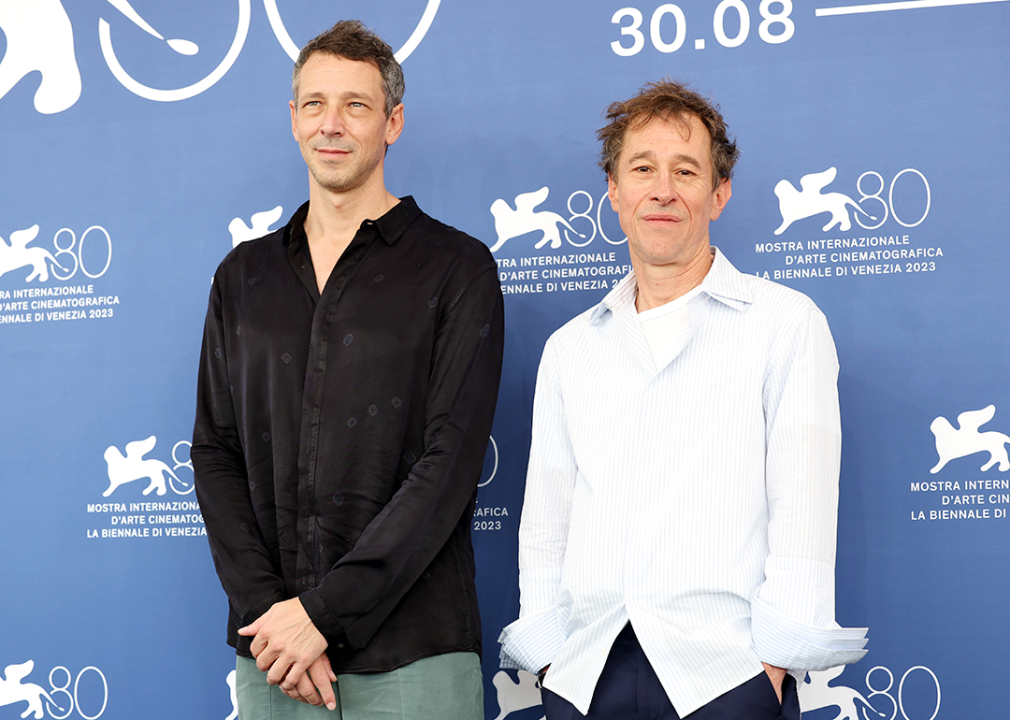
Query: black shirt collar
x=390, y=226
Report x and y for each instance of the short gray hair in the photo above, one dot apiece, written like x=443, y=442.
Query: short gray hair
x=351, y=40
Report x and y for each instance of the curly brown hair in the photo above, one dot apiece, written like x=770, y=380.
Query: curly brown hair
x=669, y=100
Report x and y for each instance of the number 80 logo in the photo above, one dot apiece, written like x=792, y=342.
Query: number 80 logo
x=71, y=250
x=71, y=700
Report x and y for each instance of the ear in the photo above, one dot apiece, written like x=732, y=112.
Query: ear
x=394, y=124
x=294, y=113
x=612, y=192
x=722, y=196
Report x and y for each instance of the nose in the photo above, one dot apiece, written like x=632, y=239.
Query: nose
x=333, y=123
x=663, y=189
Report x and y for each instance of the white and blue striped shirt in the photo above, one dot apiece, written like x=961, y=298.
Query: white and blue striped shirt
x=695, y=497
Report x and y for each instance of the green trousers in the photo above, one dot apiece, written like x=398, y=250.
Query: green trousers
x=443, y=687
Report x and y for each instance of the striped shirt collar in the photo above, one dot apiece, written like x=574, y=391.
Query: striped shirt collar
x=723, y=283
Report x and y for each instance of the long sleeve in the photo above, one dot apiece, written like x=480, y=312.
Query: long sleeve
x=694, y=497
x=532, y=641
x=793, y=609
x=249, y=574
x=341, y=433
x=361, y=590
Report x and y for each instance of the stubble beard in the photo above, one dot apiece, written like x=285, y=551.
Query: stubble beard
x=353, y=174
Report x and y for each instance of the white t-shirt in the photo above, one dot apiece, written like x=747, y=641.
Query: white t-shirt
x=666, y=326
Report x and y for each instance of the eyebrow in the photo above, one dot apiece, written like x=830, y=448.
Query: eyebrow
x=650, y=155
x=350, y=95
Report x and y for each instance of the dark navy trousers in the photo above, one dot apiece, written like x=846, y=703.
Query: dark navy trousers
x=628, y=689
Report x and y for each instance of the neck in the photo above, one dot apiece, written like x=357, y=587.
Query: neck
x=660, y=284
x=334, y=217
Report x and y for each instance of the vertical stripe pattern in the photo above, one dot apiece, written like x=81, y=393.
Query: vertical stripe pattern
x=697, y=499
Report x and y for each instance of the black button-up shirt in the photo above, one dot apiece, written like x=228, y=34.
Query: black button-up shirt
x=340, y=436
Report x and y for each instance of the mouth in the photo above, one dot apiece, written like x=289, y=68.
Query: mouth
x=661, y=219
x=332, y=152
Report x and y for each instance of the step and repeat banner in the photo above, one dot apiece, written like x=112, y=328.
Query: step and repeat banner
x=141, y=140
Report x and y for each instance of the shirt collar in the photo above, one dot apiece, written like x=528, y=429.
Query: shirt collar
x=727, y=284
x=395, y=222
x=723, y=283
x=390, y=226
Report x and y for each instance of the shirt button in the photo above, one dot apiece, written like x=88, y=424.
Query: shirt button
x=341, y=646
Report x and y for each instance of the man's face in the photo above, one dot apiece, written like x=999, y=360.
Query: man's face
x=340, y=123
x=661, y=189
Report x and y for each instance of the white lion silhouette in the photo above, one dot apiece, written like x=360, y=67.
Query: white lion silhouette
x=261, y=222
x=18, y=254
x=40, y=38
x=12, y=691
x=230, y=679
x=798, y=204
x=509, y=223
x=815, y=695
x=134, y=467
x=966, y=440
x=515, y=696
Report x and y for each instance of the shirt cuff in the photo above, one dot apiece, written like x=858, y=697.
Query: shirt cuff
x=531, y=642
x=781, y=641
x=323, y=620
x=257, y=610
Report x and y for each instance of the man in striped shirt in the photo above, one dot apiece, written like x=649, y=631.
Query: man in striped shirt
x=677, y=542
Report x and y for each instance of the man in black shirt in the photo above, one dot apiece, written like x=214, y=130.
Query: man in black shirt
x=347, y=387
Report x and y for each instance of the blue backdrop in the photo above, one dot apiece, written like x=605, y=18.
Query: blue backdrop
x=141, y=140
